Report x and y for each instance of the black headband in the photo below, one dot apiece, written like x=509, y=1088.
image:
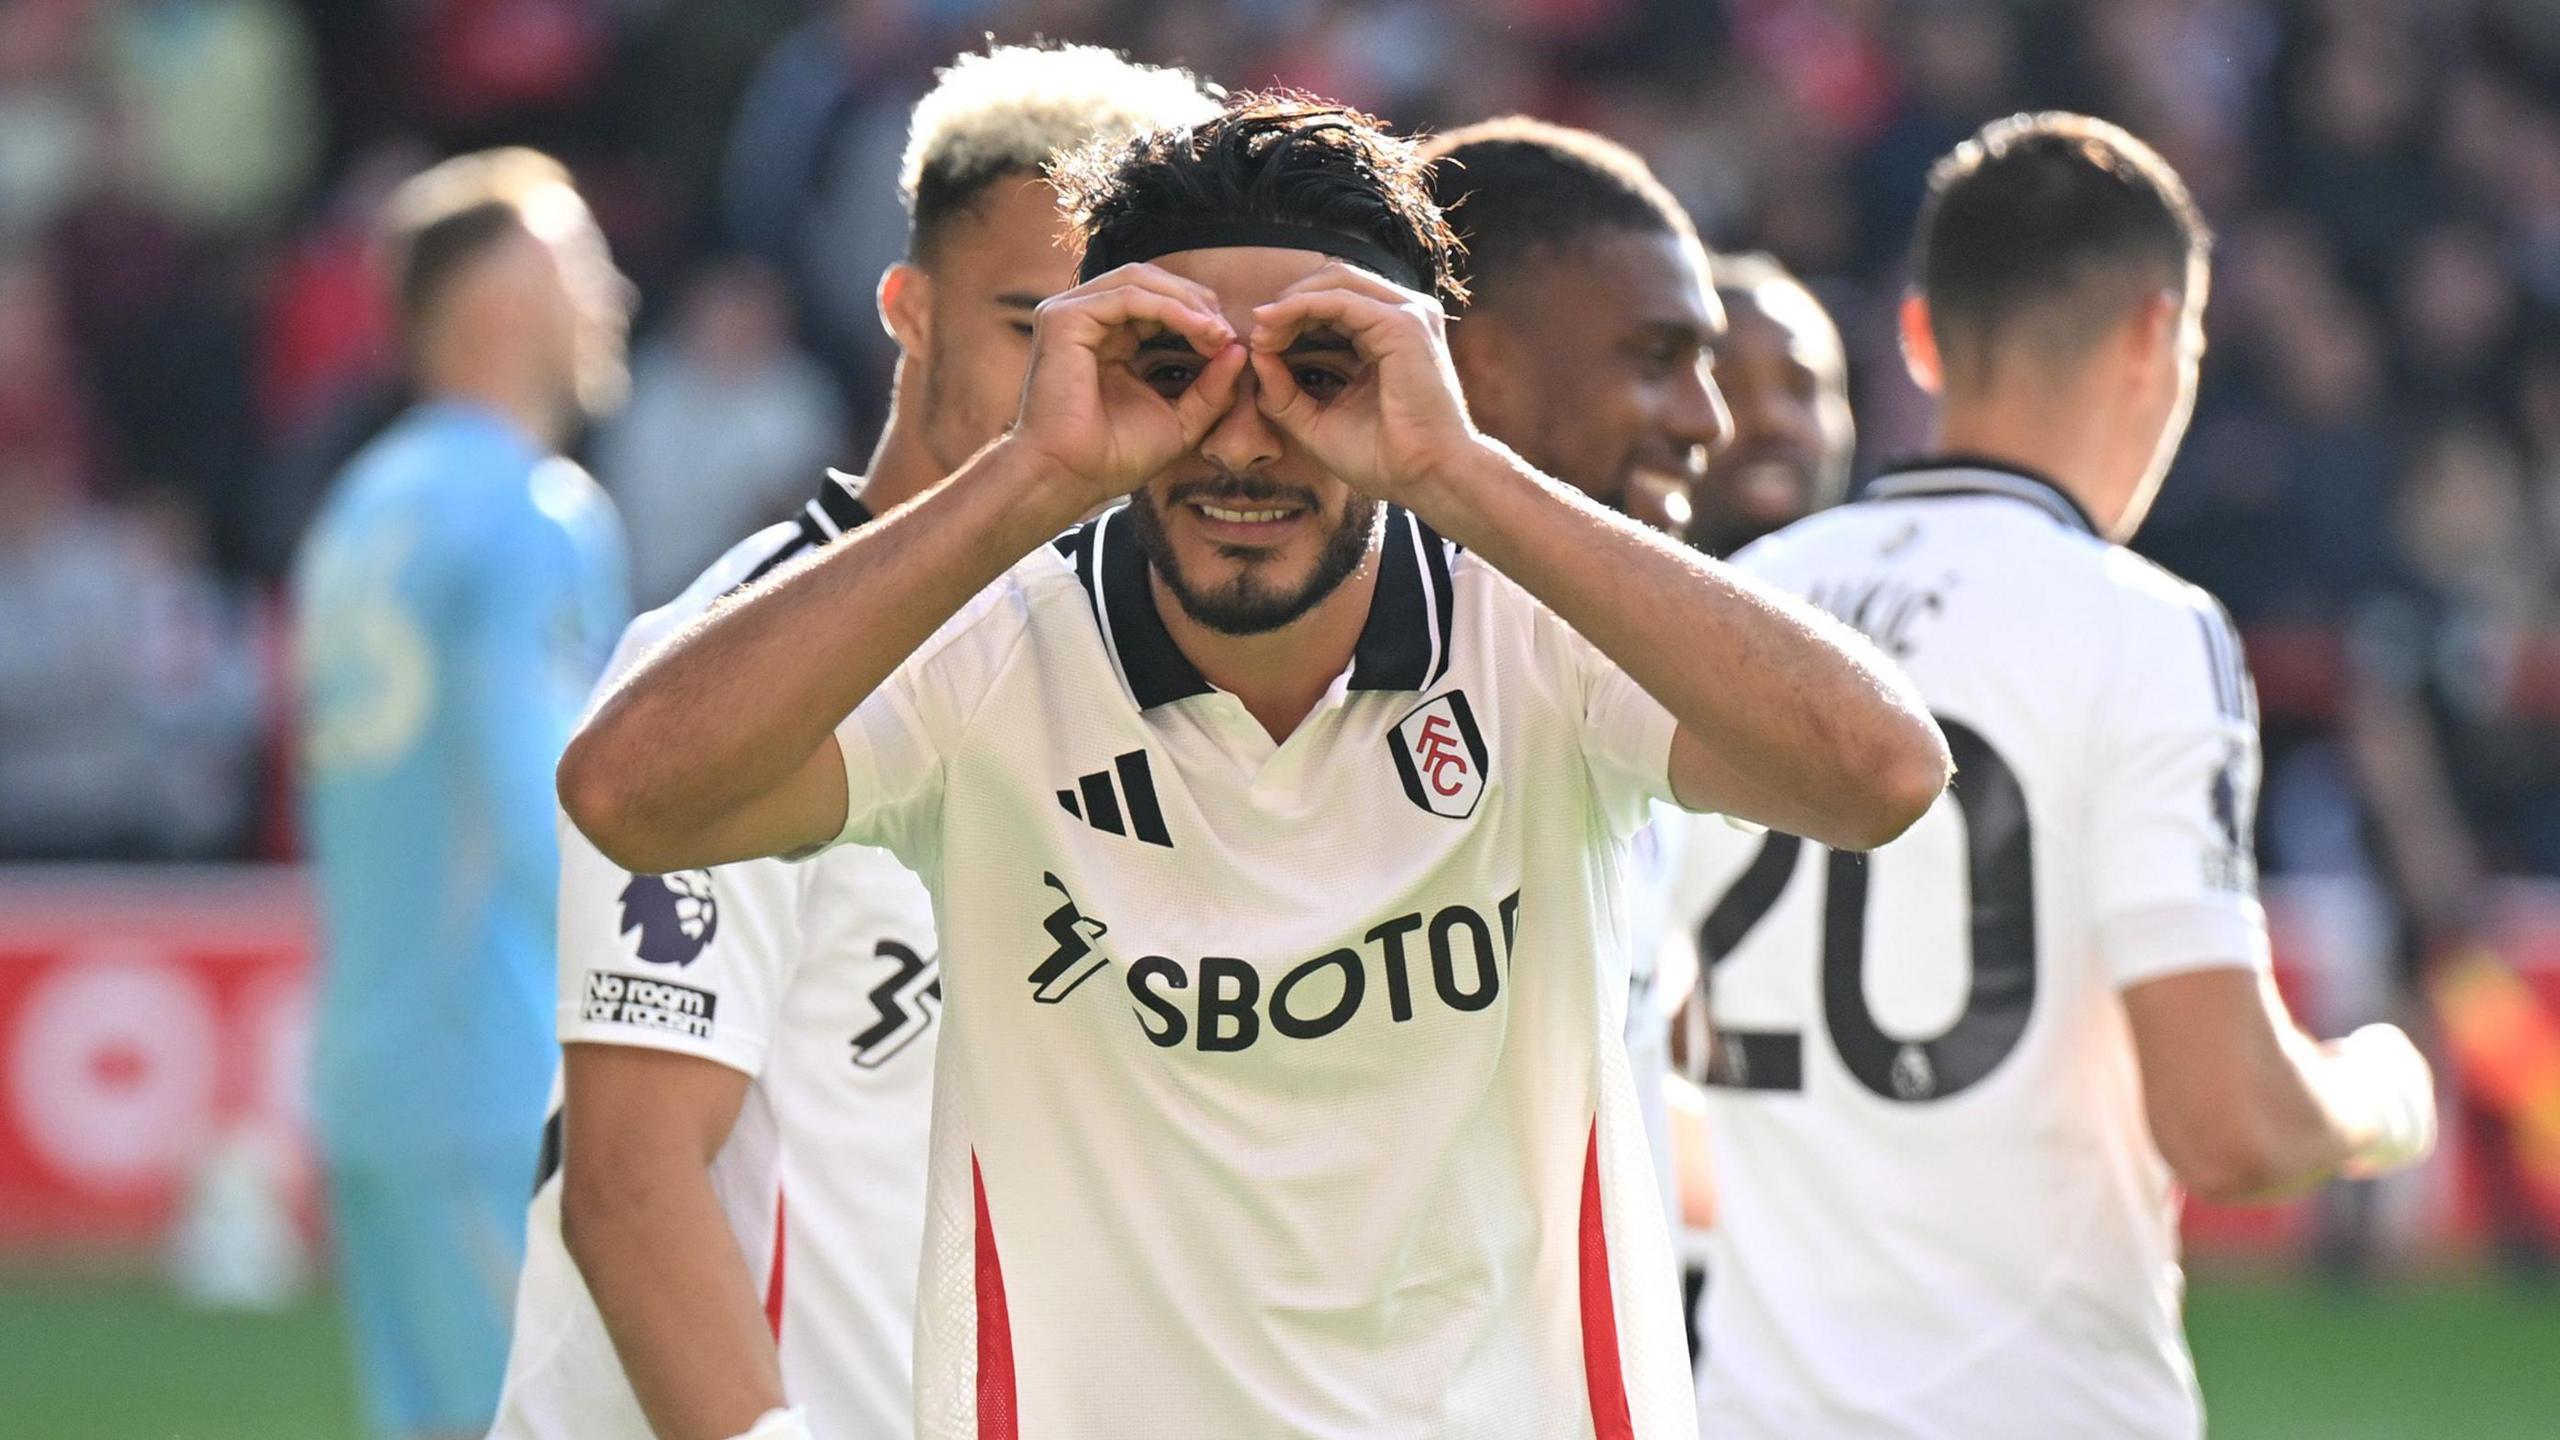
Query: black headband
x=1102, y=256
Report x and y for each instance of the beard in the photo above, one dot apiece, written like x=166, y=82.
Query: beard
x=1250, y=604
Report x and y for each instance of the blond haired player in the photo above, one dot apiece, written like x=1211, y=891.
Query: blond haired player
x=726, y=1233
x=1958, y=1082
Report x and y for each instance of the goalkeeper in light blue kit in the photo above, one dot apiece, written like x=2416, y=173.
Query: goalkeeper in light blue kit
x=455, y=601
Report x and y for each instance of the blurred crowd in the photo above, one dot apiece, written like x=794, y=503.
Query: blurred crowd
x=191, y=339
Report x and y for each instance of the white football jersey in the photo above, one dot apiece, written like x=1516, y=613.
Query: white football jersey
x=1281, y=1091
x=1941, y=1210
x=1654, y=987
x=819, y=981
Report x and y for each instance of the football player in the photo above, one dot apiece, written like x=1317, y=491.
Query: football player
x=1959, y=1083
x=732, y=1200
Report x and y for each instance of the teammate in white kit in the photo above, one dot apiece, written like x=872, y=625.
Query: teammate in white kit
x=1947, y=1074
x=776, y=1021
x=1585, y=347
x=1274, y=840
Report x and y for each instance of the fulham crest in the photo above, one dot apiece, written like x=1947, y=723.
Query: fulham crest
x=1440, y=756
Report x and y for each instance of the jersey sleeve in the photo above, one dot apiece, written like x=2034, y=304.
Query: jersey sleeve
x=1626, y=733
x=695, y=962
x=898, y=744
x=2171, y=818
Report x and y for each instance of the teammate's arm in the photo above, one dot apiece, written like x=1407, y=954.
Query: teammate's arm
x=673, y=771
x=2242, y=1104
x=2247, y=1108
x=638, y=1215
x=1786, y=717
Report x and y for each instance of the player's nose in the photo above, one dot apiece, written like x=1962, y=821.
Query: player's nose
x=1696, y=415
x=1244, y=439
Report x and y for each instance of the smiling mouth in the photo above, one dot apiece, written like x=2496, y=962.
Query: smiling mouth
x=1245, y=514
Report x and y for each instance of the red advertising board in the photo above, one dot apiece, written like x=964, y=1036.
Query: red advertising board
x=149, y=1015
x=144, y=1015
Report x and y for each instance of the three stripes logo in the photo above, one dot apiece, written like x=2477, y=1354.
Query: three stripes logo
x=1129, y=808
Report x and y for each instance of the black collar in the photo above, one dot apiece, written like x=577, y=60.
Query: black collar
x=1404, y=645
x=1979, y=475
x=837, y=509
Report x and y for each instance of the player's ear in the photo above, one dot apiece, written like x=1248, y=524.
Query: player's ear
x=1920, y=345
x=906, y=306
x=2149, y=337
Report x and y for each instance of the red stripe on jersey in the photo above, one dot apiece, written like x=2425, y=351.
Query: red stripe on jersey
x=1601, y=1368
x=996, y=1417
x=773, y=1280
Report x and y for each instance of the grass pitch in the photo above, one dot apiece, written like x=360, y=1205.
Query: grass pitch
x=89, y=1359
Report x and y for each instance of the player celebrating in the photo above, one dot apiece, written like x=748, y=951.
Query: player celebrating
x=1584, y=347
x=1941, y=1069
x=1273, y=839
x=772, y=1019
x=1785, y=380
x=455, y=600
x=1584, y=343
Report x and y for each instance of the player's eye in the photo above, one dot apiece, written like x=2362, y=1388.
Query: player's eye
x=1020, y=327
x=1665, y=358
x=1318, y=381
x=1169, y=376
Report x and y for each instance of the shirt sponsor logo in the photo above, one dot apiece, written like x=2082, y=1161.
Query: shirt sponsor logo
x=1073, y=959
x=614, y=999
x=902, y=1004
x=1456, y=953
x=1440, y=756
x=677, y=915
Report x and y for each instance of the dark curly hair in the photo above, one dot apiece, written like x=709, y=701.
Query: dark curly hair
x=1277, y=157
x=1518, y=189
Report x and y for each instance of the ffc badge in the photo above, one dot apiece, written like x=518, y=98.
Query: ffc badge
x=1440, y=756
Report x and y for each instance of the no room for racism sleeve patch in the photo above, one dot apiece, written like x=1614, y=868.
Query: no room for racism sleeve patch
x=614, y=999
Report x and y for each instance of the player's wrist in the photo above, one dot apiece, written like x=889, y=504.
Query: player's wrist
x=1448, y=493
x=2392, y=1092
x=1043, y=493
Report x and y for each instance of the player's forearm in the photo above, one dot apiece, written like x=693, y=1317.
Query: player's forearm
x=666, y=1275
x=2261, y=1112
x=1825, y=737
x=734, y=709
x=2297, y=1132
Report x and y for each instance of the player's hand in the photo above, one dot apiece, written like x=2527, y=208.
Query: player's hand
x=1091, y=404
x=2403, y=1099
x=1370, y=393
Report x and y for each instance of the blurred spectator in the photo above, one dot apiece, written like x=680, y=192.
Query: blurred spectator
x=130, y=696
x=814, y=150
x=216, y=98
x=726, y=425
x=130, y=693
x=49, y=132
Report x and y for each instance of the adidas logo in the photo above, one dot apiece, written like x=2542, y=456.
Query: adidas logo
x=1128, y=808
